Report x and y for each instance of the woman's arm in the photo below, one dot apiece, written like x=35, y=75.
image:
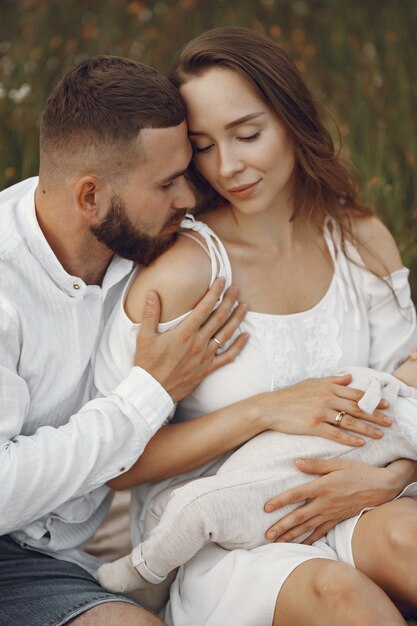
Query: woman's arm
x=391, y=312
x=376, y=246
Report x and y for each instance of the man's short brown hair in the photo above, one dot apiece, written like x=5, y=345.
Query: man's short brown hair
x=99, y=108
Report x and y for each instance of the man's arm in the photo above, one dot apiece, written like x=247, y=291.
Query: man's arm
x=41, y=471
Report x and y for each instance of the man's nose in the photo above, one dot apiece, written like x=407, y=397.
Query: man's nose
x=186, y=198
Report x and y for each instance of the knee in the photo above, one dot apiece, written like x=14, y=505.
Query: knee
x=400, y=534
x=338, y=585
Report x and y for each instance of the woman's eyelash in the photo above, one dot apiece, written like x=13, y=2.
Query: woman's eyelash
x=197, y=150
x=250, y=137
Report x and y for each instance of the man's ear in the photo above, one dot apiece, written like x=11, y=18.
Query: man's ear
x=92, y=197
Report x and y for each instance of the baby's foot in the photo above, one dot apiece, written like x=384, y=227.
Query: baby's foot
x=155, y=597
x=121, y=576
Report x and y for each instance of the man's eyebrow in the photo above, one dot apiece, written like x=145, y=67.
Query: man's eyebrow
x=171, y=177
x=229, y=125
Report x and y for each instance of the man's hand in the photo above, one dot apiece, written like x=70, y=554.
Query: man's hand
x=342, y=491
x=180, y=358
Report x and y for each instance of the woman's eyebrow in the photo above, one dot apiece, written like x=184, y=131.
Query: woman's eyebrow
x=240, y=120
x=245, y=118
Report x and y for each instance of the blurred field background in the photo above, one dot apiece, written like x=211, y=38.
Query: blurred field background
x=360, y=57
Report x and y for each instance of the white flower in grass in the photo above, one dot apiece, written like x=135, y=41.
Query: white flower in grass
x=17, y=95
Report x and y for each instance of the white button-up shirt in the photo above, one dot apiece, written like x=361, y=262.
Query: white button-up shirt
x=59, y=445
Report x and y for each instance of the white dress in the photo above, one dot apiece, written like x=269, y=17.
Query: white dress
x=357, y=322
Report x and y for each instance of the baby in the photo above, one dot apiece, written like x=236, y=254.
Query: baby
x=228, y=508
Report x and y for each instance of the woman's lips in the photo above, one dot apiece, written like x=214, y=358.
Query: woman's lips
x=244, y=191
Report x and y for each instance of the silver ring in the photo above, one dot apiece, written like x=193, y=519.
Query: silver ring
x=219, y=343
x=339, y=417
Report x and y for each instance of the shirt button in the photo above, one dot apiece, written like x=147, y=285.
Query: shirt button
x=76, y=286
x=122, y=469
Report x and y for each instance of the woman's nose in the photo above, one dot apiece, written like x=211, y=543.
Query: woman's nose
x=229, y=163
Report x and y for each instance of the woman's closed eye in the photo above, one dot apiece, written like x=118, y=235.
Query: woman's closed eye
x=201, y=149
x=249, y=138
x=246, y=139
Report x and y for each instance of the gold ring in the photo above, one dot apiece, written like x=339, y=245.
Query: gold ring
x=339, y=417
x=219, y=343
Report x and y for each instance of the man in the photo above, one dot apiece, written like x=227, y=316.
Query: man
x=111, y=191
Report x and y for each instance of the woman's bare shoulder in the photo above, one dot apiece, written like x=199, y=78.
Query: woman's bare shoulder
x=376, y=245
x=180, y=276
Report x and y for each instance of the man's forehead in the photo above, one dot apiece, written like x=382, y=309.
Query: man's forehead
x=154, y=140
x=164, y=152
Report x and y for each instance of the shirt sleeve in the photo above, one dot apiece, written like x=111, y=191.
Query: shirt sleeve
x=392, y=319
x=40, y=472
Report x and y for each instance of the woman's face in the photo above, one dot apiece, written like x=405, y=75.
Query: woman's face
x=240, y=146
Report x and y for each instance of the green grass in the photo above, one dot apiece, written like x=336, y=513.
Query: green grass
x=358, y=56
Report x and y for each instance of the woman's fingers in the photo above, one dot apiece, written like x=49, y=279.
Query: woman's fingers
x=351, y=397
x=309, y=527
x=292, y=496
x=342, y=380
x=303, y=520
x=324, y=407
x=346, y=413
x=340, y=435
x=319, y=532
x=344, y=421
x=309, y=490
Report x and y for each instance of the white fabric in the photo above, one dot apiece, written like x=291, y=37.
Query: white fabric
x=357, y=322
x=58, y=447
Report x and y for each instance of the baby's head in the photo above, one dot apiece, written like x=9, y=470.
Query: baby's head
x=407, y=371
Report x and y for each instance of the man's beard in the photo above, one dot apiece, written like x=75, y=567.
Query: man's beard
x=117, y=233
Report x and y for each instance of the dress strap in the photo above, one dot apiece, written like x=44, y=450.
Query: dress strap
x=212, y=245
x=331, y=235
x=343, y=267
x=200, y=243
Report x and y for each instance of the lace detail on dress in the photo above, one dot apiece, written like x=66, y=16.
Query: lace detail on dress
x=303, y=345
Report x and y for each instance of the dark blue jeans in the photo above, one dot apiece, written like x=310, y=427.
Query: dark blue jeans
x=38, y=590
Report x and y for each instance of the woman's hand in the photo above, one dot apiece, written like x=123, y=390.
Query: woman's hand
x=342, y=491
x=312, y=406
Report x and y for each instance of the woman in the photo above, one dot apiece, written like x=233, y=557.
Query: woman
x=308, y=259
